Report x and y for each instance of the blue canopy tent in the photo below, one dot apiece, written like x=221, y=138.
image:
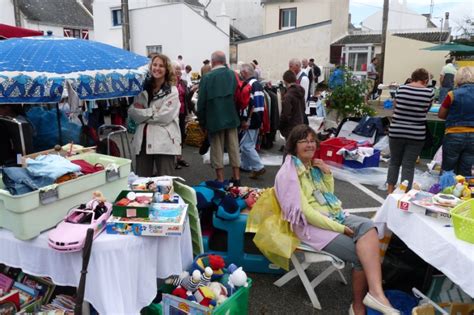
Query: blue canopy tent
x=35, y=70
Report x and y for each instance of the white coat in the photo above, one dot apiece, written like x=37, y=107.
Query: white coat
x=163, y=135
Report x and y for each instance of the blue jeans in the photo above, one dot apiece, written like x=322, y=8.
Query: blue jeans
x=443, y=91
x=458, y=153
x=249, y=158
x=19, y=181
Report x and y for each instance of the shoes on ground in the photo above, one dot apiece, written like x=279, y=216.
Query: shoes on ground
x=183, y=163
x=244, y=170
x=177, y=166
x=235, y=182
x=257, y=174
x=372, y=302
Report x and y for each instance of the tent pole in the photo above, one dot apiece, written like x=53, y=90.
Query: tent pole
x=58, y=116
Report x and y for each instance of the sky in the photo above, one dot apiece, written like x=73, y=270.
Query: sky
x=458, y=10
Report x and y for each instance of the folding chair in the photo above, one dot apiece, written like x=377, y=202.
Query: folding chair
x=312, y=256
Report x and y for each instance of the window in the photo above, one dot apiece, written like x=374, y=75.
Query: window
x=357, y=61
x=153, y=49
x=287, y=18
x=116, y=17
x=76, y=33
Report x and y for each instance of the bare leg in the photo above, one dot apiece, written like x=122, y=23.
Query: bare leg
x=367, y=248
x=220, y=174
x=390, y=188
x=236, y=173
x=359, y=289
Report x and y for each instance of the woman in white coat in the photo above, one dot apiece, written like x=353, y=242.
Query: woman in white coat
x=157, y=140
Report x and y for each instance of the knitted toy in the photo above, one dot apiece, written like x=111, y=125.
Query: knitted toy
x=205, y=277
x=234, y=278
x=220, y=292
x=187, y=282
x=238, y=277
x=215, y=262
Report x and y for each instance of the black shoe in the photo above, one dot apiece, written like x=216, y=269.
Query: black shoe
x=243, y=170
x=204, y=146
x=235, y=182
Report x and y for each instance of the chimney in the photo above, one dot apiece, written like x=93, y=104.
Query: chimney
x=223, y=21
x=446, y=21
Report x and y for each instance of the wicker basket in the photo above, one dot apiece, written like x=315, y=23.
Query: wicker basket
x=463, y=221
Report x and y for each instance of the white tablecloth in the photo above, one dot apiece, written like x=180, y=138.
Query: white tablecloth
x=122, y=270
x=433, y=241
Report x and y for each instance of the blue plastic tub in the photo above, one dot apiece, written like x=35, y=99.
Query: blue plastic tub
x=400, y=300
x=371, y=161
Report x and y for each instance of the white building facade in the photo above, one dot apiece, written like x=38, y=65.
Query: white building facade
x=245, y=15
x=170, y=28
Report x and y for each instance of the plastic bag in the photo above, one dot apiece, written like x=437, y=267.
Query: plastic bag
x=273, y=235
x=46, y=128
x=206, y=158
x=447, y=179
x=383, y=146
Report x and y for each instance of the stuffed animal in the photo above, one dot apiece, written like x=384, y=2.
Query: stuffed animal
x=234, y=278
x=205, y=297
x=205, y=277
x=220, y=292
x=215, y=262
x=238, y=277
x=186, y=281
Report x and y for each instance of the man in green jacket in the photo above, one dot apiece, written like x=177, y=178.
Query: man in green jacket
x=218, y=116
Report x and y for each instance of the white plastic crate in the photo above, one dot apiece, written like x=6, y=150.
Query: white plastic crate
x=29, y=214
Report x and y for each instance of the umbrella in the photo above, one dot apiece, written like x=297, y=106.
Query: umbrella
x=8, y=31
x=456, y=47
x=35, y=69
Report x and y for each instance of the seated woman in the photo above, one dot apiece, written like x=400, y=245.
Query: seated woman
x=304, y=188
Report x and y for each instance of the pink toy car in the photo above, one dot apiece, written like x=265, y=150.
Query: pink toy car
x=70, y=234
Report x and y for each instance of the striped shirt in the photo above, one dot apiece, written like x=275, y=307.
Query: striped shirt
x=409, y=116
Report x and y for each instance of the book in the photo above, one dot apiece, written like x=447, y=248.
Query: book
x=27, y=294
x=6, y=282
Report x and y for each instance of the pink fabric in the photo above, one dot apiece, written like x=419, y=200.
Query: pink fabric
x=182, y=93
x=287, y=190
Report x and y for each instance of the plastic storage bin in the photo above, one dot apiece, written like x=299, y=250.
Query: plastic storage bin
x=370, y=161
x=463, y=221
x=30, y=214
x=237, y=303
x=329, y=148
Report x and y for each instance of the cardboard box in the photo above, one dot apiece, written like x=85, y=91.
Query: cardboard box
x=421, y=202
x=147, y=226
x=131, y=211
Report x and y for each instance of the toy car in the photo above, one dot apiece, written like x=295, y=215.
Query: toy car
x=70, y=234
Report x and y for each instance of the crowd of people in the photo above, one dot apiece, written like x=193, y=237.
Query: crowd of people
x=230, y=109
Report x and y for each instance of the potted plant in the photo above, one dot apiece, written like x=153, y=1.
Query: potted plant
x=347, y=97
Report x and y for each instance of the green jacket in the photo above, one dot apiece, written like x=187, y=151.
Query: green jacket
x=216, y=105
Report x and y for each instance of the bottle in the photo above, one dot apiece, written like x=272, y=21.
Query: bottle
x=402, y=188
x=457, y=192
